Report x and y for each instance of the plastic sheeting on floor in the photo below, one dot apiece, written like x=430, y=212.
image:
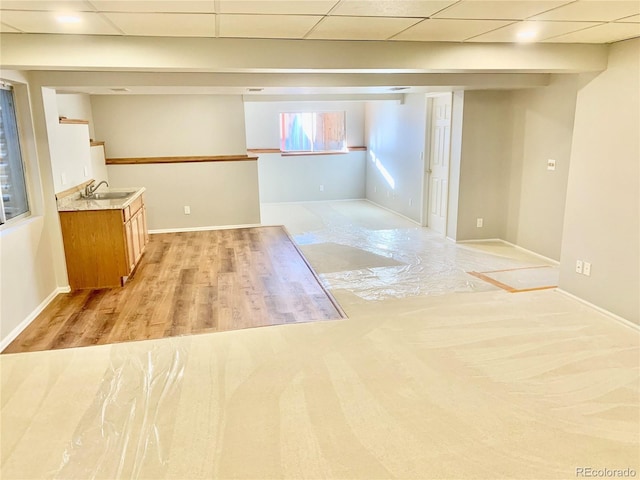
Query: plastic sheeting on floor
x=375, y=255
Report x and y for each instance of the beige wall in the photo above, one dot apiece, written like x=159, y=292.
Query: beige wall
x=218, y=193
x=181, y=125
x=28, y=257
x=169, y=125
x=603, y=206
x=484, y=158
x=542, y=127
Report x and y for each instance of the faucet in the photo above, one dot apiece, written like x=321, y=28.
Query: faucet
x=90, y=189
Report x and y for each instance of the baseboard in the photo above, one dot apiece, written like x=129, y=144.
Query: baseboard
x=517, y=247
x=297, y=202
x=480, y=240
x=13, y=334
x=203, y=229
x=393, y=211
x=618, y=318
x=530, y=252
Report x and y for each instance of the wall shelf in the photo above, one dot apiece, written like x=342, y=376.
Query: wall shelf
x=72, y=121
x=209, y=158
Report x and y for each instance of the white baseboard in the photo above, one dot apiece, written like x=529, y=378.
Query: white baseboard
x=393, y=211
x=618, y=318
x=13, y=334
x=297, y=202
x=203, y=229
x=517, y=247
x=522, y=249
x=480, y=240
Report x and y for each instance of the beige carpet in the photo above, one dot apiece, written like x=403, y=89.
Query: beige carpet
x=488, y=385
x=491, y=385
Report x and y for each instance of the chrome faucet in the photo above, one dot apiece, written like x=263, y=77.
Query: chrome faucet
x=90, y=189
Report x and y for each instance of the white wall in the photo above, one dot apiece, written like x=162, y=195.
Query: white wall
x=28, y=274
x=542, y=128
x=602, y=213
x=181, y=125
x=72, y=161
x=457, y=122
x=395, y=134
x=76, y=105
x=298, y=178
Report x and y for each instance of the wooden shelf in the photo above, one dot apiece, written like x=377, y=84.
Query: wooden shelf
x=72, y=121
x=95, y=143
x=214, y=158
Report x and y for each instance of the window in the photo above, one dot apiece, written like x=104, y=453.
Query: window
x=313, y=132
x=13, y=201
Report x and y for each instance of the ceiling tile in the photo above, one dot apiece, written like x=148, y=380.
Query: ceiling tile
x=631, y=19
x=7, y=29
x=360, y=28
x=391, y=8
x=437, y=30
x=156, y=6
x=45, y=22
x=499, y=9
x=542, y=31
x=593, y=10
x=47, y=5
x=165, y=24
x=266, y=26
x=274, y=7
x=605, y=33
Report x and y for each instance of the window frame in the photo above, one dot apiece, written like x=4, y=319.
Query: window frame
x=4, y=222
x=314, y=114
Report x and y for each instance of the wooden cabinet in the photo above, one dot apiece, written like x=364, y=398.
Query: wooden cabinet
x=103, y=247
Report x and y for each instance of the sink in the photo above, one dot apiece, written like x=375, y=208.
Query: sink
x=109, y=195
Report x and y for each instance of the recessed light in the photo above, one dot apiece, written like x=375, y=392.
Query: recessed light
x=527, y=35
x=120, y=90
x=398, y=89
x=68, y=18
x=255, y=89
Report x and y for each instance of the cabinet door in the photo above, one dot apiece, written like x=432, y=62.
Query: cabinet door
x=142, y=237
x=144, y=225
x=131, y=256
x=135, y=234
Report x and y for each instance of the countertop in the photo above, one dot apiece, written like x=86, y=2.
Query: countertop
x=75, y=203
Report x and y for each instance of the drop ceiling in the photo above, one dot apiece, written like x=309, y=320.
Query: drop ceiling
x=491, y=21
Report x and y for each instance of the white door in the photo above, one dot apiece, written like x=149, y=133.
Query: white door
x=437, y=171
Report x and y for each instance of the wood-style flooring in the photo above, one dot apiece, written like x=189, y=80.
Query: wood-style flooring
x=188, y=283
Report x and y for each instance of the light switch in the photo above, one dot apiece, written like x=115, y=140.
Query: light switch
x=551, y=164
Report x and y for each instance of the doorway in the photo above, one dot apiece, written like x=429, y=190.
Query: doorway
x=436, y=171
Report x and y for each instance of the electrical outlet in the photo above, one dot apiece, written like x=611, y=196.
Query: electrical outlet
x=322, y=188
x=63, y=178
x=411, y=202
x=375, y=189
x=388, y=194
x=86, y=172
x=578, y=266
x=479, y=222
x=187, y=210
x=586, y=269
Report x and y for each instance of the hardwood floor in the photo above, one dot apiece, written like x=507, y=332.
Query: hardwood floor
x=187, y=283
